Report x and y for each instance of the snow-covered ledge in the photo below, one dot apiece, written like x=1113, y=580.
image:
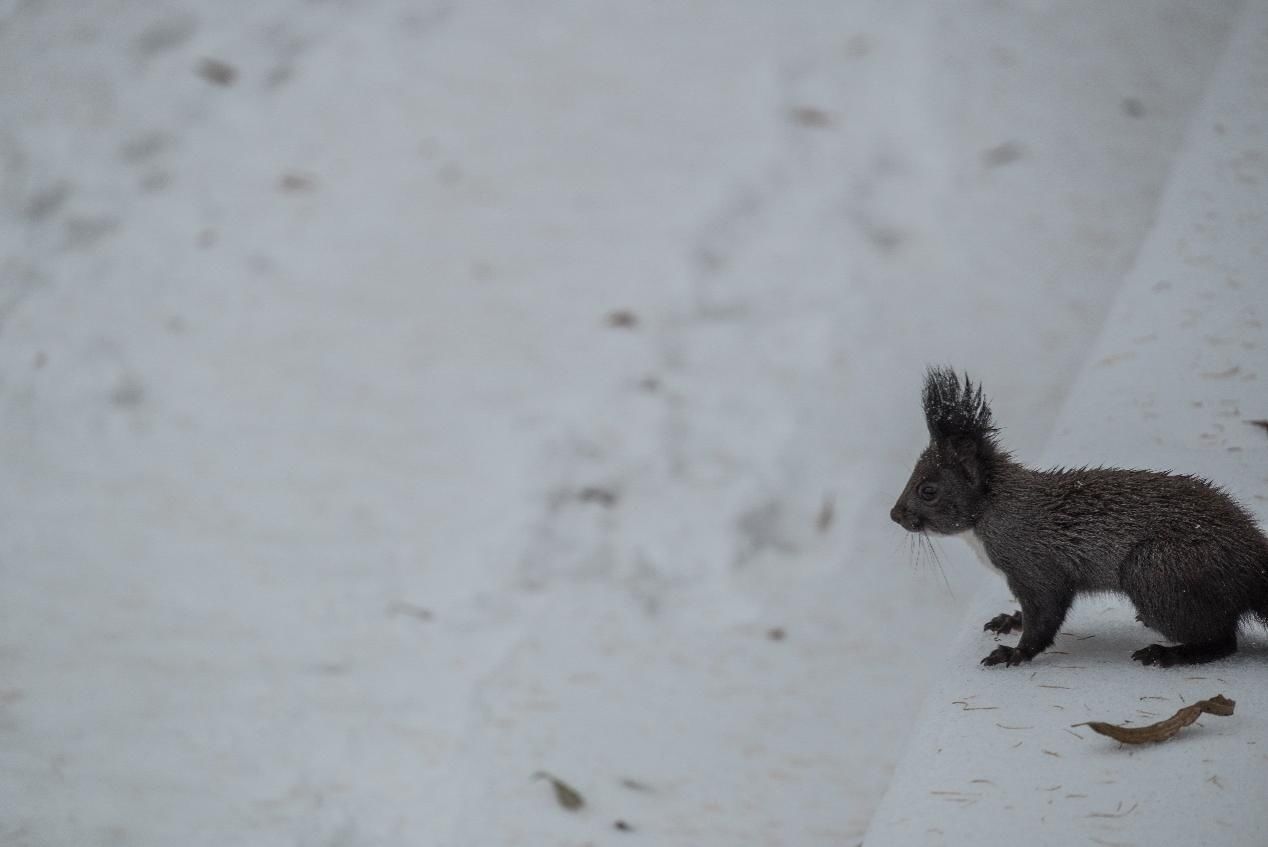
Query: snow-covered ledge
x=1178, y=372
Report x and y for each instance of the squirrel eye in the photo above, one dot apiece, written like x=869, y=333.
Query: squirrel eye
x=928, y=492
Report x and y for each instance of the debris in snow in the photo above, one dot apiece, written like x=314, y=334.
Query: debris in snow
x=410, y=610
x=649, y=384
x=1162, y=730
x=296, y=182
x=810, y=116
x=567, y=796
x=1002, y=154
x=1119, y=812
x=1263, y=424
x=622, y=319
x=597, y=495
x=827, y=512
x=622, y=826
x=217, y=72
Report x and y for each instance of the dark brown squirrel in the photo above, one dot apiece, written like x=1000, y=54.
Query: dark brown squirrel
x=1189, y=557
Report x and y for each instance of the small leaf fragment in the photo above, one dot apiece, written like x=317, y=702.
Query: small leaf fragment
x=567, y=796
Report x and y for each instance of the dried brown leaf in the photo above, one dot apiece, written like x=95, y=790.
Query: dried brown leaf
x=1162, y=730
x=567, y=796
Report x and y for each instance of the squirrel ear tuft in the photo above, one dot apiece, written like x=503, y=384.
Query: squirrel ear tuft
x=954, y=409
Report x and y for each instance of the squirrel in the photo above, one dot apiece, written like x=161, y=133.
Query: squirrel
x=1189, y=557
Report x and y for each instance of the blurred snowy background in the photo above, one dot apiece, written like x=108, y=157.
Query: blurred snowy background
x=401, y=398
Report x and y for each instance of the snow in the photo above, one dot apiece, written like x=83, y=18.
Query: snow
x=336, y=506
x=1174, y=381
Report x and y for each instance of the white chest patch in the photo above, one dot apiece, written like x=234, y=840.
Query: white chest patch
x=975, y=544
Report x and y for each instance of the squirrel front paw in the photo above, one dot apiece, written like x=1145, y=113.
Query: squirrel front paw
x=1003, y=624
x=1008, y=656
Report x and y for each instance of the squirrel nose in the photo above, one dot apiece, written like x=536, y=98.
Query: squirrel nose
x=908, y=521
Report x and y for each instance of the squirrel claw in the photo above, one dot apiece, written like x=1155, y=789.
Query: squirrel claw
x=1007, y=656
x=1003, y=623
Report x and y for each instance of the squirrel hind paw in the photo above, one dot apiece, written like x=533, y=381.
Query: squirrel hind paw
x=1154, y=654
x=1186, y=654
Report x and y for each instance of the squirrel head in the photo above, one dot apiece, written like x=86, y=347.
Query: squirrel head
x=948, y=486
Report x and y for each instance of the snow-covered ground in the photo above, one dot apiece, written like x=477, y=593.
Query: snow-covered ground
x=398, y=399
